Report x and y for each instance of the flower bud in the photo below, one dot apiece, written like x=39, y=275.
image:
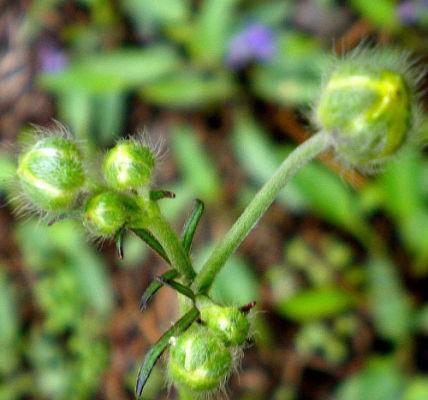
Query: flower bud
x=51, y=173
x=199, y=360
x=229, y=323
x=105, y=213
x=128, y=165
x=367, y=106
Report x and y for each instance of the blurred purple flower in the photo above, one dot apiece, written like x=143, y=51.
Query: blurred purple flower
x=51, y=58
x=410, y=11
x=407, y=12
x=256, y=42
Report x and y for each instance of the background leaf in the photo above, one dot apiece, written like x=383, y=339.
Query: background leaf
x=118, y=70
x=188, y=89
x=390, y=306
x=380, y=380
x=315, y=303
x=213, y=26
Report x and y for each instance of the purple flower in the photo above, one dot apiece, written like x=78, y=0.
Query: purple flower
x=407, y=12
x=256, y=42
x=51, y=58
x=410, y=11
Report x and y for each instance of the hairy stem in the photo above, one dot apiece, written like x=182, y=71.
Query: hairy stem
x=170, y=242
x=257, y=207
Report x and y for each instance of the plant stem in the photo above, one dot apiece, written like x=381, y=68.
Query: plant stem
x=170, y=242
x=257, y=207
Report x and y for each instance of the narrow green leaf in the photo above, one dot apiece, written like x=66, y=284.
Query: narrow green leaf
x=119, y=243
x=177, y=286
x=191, y=224
x=154, y=286
x=155, y=352
x=152, y=242
x=161, y=194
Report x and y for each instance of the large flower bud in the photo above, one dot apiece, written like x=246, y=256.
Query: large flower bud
x=128, y=165
x=367, y=105
x=199, y=361
x=51, y=173
x=229, y=322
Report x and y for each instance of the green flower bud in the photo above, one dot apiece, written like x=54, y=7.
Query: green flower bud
x=229, y=323
x=367, y=106
x=128, y=165
x=51, y=173
x=105, y=213
x=199, y=361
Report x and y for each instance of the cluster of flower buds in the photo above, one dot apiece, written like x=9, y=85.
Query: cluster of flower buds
x=127, y=170
x=201, y=359
x=53, y=180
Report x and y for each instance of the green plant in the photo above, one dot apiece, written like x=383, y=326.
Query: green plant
x=366, y=113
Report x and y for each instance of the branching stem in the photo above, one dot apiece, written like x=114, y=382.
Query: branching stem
x=257, y=207
x=170, y=242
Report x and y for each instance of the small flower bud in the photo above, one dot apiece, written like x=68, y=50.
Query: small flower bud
x=128, y=165
x=105, y=213
x=51, y=173
x=229, y=323
x=367, y=105
x=199, y=361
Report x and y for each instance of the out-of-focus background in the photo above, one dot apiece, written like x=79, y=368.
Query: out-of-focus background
x=227, y=85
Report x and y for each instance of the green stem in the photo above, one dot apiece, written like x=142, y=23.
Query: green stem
x=169, y=240
x=179, y=258
x=257, y=207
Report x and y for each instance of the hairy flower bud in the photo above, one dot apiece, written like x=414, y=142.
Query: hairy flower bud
x=105, y=213
x=230, y=323
x=199, y=360
x=51, y=173
x=367, y=105
x=128, y=165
